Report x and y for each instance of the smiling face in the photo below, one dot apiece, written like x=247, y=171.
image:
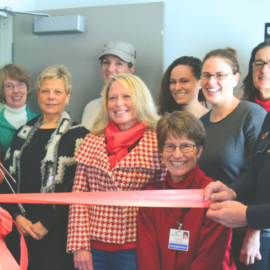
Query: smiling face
x=261, y=77
x=183, y=85
x=52, y=97
x=112, y=65
x=120, y=106
x=178, y=163
x=218, y=91
x=16, y=97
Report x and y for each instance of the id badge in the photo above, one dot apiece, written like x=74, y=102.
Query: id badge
x=179, y=239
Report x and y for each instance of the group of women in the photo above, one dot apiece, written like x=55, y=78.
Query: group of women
x=132, y=146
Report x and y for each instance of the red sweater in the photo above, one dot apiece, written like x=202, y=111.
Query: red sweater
x=264, y=103
x=209, y=244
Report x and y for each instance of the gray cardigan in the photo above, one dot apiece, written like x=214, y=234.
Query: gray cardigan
x=229, y=141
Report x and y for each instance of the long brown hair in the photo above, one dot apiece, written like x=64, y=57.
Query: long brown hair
x=166, y=101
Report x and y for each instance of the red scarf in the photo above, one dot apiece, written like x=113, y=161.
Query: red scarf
x=186, y=183
x=264, y=103
x=118, y=142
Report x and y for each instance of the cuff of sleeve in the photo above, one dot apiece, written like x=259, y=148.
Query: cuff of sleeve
x=72, y=251
x=14, y=216
x=258, y=216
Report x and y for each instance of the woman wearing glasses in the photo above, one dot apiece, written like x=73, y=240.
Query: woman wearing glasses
x=202, y=243
x=15, y=89
x=180, y=88
x=232, y=126
x=256, y=85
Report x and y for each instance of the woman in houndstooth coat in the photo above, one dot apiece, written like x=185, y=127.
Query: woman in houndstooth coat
x=120, y=154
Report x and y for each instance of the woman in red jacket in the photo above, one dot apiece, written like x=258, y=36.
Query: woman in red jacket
x=200, y=243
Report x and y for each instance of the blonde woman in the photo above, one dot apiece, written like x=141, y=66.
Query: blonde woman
x=40, y=158
x=120, y=154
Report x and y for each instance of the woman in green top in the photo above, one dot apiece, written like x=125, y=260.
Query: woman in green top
x=14, y=91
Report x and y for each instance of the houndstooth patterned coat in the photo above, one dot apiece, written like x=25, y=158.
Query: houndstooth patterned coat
x=111, y=224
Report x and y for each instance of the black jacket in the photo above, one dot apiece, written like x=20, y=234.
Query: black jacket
x=253, y=182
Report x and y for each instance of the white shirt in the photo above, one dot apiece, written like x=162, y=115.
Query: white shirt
x=16, y=117
x=91, y=112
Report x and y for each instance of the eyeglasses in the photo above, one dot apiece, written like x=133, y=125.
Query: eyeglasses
x=218, y=76
x=185, y=148
x=260, y=64
x=11, y=86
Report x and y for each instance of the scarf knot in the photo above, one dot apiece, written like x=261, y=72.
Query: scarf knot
x=119, y=142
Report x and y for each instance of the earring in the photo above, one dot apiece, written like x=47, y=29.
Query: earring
x=3, y=102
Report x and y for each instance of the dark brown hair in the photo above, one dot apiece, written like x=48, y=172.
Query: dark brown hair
x=248, y=86
x=166, y=101
x=180, y=123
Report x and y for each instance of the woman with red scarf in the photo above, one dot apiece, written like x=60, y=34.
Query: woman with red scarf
x=181, y=238
x=120, y=154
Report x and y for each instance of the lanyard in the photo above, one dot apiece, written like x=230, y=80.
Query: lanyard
x=180, y=223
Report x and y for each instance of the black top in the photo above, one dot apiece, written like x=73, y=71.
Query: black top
x=31, y=159
x=253, y=181
x=42, y=161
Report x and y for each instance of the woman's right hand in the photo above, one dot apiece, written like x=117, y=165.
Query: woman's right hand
x=83, y=259
x=26, y=226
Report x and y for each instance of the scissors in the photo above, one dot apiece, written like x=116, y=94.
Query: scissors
x=10, y=176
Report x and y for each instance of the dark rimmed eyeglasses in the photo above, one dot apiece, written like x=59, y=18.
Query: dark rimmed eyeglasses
x=260, y=64
x=185, y=148
x=217, y=76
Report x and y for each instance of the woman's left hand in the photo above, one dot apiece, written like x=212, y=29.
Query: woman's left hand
x=251, y=247
x=39, y=230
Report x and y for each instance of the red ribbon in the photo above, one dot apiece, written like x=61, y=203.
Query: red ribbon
x=187, y=198
x=7, y=262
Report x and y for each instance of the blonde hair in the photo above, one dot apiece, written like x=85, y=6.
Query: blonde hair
x=56, y=72
x=143, y=103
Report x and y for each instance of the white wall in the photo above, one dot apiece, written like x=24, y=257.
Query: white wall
x=18, y=5
x=194, y=27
